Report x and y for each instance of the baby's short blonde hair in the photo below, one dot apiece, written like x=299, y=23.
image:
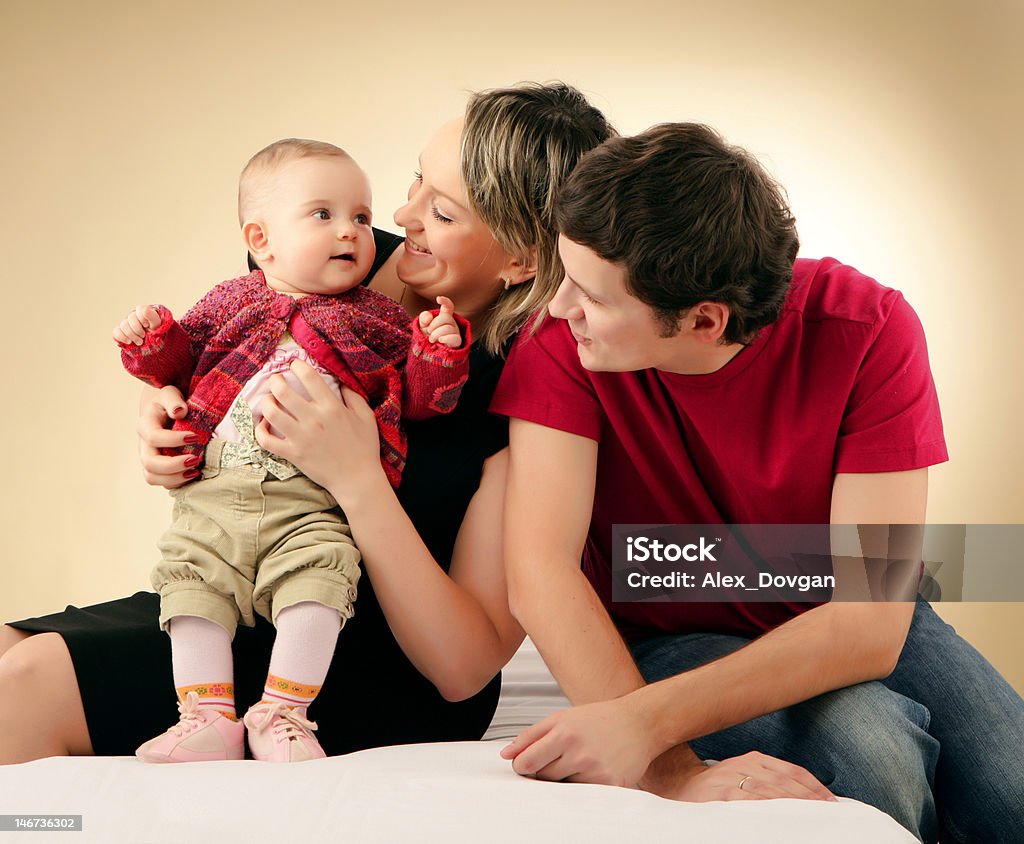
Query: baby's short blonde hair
x=256, y=180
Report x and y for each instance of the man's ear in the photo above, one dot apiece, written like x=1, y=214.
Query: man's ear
x=708, y=320
x=255, y=236
x=518, y=270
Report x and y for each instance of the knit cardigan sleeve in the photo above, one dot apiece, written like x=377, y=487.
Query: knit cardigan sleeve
x=165, y=357
x=171, y=352
x=434, y=373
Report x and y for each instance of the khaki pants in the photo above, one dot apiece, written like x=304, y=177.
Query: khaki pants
x=243, y=542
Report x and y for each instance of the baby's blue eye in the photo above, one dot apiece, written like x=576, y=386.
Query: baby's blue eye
x=322, y=214
x=363, y=219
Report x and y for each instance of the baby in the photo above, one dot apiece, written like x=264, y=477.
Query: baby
x=253, y=534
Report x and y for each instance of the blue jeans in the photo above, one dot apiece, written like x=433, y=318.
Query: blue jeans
x=938, y=745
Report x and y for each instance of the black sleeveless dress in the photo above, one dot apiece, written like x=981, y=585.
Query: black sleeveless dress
x=372, y=696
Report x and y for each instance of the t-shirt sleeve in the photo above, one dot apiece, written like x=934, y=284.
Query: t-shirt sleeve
x=544, y=382
x=892, y=421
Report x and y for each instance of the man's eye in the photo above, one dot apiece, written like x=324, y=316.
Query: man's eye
x=322, y=214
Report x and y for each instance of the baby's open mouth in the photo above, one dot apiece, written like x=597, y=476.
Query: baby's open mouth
x=344, y=256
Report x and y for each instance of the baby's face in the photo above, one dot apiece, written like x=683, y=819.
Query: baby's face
x=318, y=226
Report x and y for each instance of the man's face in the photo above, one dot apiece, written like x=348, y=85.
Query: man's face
x=318, y=225
x=614, y=331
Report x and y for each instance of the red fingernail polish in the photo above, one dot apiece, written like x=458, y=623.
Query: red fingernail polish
x=192, y=438
x=192, y=461
x=193, y=474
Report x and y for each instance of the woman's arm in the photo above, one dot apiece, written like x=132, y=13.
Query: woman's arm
x=455, y=628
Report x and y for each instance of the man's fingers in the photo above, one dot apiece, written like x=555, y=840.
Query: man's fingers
x=557, y=770
x=536, y=757
x=524, y=740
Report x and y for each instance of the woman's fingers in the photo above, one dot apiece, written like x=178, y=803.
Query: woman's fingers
x=770, y=777
x=808, y=784
x=278, y=416
x=355, y=402
x=312, y=381
x=285, y=397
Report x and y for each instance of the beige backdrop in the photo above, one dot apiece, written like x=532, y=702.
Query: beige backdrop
x=895, y=125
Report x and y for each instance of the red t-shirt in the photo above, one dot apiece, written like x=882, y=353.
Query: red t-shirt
x=839, y=383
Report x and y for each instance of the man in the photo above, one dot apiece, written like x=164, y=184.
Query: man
x=696, y=372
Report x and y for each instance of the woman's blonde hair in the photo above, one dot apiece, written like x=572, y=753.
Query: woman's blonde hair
x=519, y=145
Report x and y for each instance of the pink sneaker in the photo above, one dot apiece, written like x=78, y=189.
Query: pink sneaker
x=201, y=735
x=278, y=733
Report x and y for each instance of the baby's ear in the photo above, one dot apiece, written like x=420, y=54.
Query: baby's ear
x=255, y=236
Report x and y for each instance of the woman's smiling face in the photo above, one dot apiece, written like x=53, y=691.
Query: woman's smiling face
x=448, y=249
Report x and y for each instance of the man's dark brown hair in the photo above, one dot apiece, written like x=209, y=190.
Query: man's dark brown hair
x=691, y=219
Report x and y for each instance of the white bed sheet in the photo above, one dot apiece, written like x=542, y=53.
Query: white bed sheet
x=428, y=792
x=423, y=793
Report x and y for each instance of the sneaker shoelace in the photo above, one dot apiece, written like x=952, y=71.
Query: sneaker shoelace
x=290, y=724
x=189, y=714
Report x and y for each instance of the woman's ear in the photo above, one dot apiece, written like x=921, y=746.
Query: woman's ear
x=518, y=270
x=255, y=236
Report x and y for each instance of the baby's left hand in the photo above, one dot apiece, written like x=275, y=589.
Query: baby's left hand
x=442, y=328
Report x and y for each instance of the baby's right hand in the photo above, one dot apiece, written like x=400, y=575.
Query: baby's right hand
x=133, y=328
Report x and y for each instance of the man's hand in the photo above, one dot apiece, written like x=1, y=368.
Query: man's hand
x=608, y=742
x=134, y=327
x=442, y=328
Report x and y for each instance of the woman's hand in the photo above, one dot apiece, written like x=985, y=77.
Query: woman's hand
x=158, y=410
x=333, y=441
x=752, y=776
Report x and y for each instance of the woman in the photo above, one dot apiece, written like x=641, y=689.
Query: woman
x=432, y=626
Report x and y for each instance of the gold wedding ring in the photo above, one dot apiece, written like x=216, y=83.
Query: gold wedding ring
x=742, y=781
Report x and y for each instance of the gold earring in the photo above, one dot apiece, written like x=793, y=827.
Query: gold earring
x=508, y=283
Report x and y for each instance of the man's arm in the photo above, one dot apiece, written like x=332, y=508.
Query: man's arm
x=610, y=736
x=547, y=514
x=826, y=648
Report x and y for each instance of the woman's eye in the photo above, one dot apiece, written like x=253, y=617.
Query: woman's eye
x=441, y=218
x=322, y=214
